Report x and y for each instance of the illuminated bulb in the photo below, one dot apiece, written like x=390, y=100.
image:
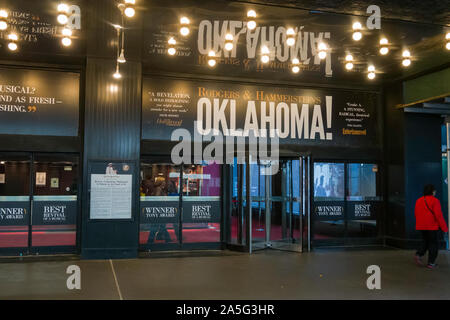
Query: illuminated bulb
x=349, y=57
x=172, y=41
x=121, y=58
x=384, y=50
x=12, y=46
x=184, y=31
x=130, y=1
x=185, y=20
x=290, y=41
x=295, y=61
x=212, y=61
x=295, y=69
x=265, y=54
x=3, y=14
x=322, y=46
x=66, y=41
x=251, y=25
x=447, y=46
x=406, y=54
x=406, y=62
x=371, y=69
x=171, y=51
x=13, y=37
x=229, y=42
x=265, y=59
x=62, y=19
x=67, y=32
x=251, y=13
x=117, y=74
x=62, y=7
x=322, y=55
x=265, y=50
x=384, y=41
x=3, y=25
x=357, y=36
x=357, y=26
x=129, y=12
x=447, y=36
x=349, y=66
x=371, y=75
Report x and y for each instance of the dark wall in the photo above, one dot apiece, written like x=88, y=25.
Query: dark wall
x=423, y=161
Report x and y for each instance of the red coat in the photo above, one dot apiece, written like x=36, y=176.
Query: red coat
x=424, y=217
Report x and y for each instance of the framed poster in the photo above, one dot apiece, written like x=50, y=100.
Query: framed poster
x=2, y=178
x=54, y=183
x=111, y=190
x=41, y=178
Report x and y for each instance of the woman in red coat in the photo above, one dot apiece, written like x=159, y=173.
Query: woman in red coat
x=429, y=220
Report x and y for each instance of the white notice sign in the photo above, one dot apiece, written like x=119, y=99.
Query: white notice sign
x=111, y=196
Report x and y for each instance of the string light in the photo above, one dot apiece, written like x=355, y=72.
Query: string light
x=184, y=21
x=172, y=42
x=3, y=22
x=349, y=60
x=406, y=58
x=295, y=67
x=229, y=42
x=322, y=50
x=12, y=45
x=212, y=58
x=63, y=10
x=384, y=49
x=357, y=35
x=265, y=54
x=371, y=70
x=251, y=24
x=290, y=41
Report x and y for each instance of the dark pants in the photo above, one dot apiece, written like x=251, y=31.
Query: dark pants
x=430, y=242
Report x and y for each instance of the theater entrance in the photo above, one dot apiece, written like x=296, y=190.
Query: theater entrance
x=278, y=215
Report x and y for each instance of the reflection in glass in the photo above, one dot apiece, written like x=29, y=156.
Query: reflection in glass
x=328, y=181
x=362, y=180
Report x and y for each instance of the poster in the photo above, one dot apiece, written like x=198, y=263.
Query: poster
x=36, y=102
x=54, y=182
x=2, y=178
x=300, y=116
x=41, y=178
x=111, y=191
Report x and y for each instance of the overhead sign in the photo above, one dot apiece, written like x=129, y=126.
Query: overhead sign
x=299, y=116
x=39, y=102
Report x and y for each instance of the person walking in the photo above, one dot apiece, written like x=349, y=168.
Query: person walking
x=429, y=219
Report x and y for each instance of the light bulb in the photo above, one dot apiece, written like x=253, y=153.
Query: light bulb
x=371, y=75
x=251, y=25
x=211, y=62
x=62, y=7
x=447, y=46
x=130, y=1
x=265, y=58
x=406, y=54
x=13, y=37
x=322, y=54
x=251, y=13
x=172, y=41
x=117, y=74
x=184, y=31
x=12, y=46
x=66, y=32
x=129, y=12
x=265, y=50
x=295, y=61
x=62, y=19
x=357, y=26
x=406, y=62
x=371, y=68
x=447, y=36
x=121, y=58
x=322, y=46
x=357, y=36
x=228, y=37
x=3, y=14
x=185, y=20
x=66, y=41
x=384, y=41
x=211, y=54
x=349, y=66
x=290, y=41
x=171, y=51
x=229, y=46
x=384, y=50
x=349, y=57
x=3, y=25
x=295, y=69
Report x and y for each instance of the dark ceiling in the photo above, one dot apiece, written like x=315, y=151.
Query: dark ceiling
x=422, y=11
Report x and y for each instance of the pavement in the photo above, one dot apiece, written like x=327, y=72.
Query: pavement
x=211, y=275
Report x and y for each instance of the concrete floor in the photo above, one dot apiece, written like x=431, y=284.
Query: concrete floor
x=322, y=274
